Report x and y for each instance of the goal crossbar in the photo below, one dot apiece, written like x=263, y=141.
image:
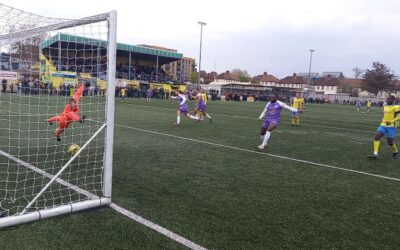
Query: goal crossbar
x=19, y=35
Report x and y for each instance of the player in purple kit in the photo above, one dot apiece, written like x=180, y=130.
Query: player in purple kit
x=272, y=116
x=201, y=106
x=183, y=108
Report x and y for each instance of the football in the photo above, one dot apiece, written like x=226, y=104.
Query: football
x=73, y=149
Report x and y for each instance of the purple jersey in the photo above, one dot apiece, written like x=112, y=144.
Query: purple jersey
x=272, y=112
x=183, y=107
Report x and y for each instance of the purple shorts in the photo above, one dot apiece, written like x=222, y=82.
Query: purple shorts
x=266, y=123
x=201, y=108
x=184, y=109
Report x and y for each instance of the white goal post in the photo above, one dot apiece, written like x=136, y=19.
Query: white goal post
x=57, y=87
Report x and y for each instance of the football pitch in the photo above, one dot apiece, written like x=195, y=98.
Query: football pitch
x=313, y=188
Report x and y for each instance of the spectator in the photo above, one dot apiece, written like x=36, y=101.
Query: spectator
x=4, y=85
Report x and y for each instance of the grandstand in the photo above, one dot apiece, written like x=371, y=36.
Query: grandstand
x=65, y=57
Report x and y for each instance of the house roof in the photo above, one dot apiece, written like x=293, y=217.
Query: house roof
x=312, y=74
x=334, y=74
x=264, y=78
x=352, y=82
x=327, y=81
x=294, y=79
x=227, y=76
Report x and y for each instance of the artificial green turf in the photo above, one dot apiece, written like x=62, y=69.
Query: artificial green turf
x=229, y=199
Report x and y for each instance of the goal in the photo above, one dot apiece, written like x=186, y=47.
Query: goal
x=57, y=89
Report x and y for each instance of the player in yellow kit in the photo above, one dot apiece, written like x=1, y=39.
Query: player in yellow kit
x=369, y=104
x=123, y=94
x=387, y=127
x=298, y=103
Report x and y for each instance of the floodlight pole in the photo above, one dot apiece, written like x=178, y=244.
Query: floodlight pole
x=201, y=45
x=309, y=69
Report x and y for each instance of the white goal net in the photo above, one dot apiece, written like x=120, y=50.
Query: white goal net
x=56, y=113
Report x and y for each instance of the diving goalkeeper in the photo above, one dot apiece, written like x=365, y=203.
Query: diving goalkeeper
x=70, y=113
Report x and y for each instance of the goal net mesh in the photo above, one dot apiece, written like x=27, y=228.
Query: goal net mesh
x=44, y=62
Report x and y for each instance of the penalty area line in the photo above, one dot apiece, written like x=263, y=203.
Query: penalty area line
x=159, y=229
x=265, y=154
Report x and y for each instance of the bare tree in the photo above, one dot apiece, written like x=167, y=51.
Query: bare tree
x=358, y=72
x=242, y=75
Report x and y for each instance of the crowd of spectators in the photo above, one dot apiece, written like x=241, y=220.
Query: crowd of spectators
x=143, y=92
x=142, y=73
x=32, y=86
x=123, y=71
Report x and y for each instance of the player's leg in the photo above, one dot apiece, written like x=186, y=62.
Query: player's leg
x=293, y=118
x=185, y=110
x=178, y=117
x=196, y=112
x=62, y=125
x=200, y=115
x=390, y=140
x=377, y=142
x=262, y=133
x=53, y=119
x=297, y=119
x=188, y=115
x=271, y=126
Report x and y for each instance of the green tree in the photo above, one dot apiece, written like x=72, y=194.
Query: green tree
x=379, y=78
x=194, y=77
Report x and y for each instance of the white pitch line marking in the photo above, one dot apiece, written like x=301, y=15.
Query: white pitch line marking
x=171, y=235
x=261, y=153
x=250, y=118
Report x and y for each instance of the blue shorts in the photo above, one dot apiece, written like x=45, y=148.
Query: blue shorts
x=295, y=114
x=389, y=132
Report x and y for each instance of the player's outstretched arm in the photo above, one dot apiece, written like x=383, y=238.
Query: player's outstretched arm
x=264, y=112
x=79, y=92
x=288, y=107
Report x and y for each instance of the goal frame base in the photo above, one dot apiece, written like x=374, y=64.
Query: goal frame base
x=53, y=212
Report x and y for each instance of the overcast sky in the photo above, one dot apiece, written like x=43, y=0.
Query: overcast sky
x=273, y=36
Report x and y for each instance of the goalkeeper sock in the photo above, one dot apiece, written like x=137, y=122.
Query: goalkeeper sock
x=298, y=121
x=376, y=147
x=293, y=121
x=394, y=148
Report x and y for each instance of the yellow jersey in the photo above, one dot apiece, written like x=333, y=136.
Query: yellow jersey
x=204, y=97
x=369, y=104
x=123, y=92
x=389, y=113
x=297, y=103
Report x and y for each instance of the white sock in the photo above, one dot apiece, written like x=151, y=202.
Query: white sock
x=178, y=119
x=266, y=138
x=193, y=117
x=208, y=116
x=262, y=137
